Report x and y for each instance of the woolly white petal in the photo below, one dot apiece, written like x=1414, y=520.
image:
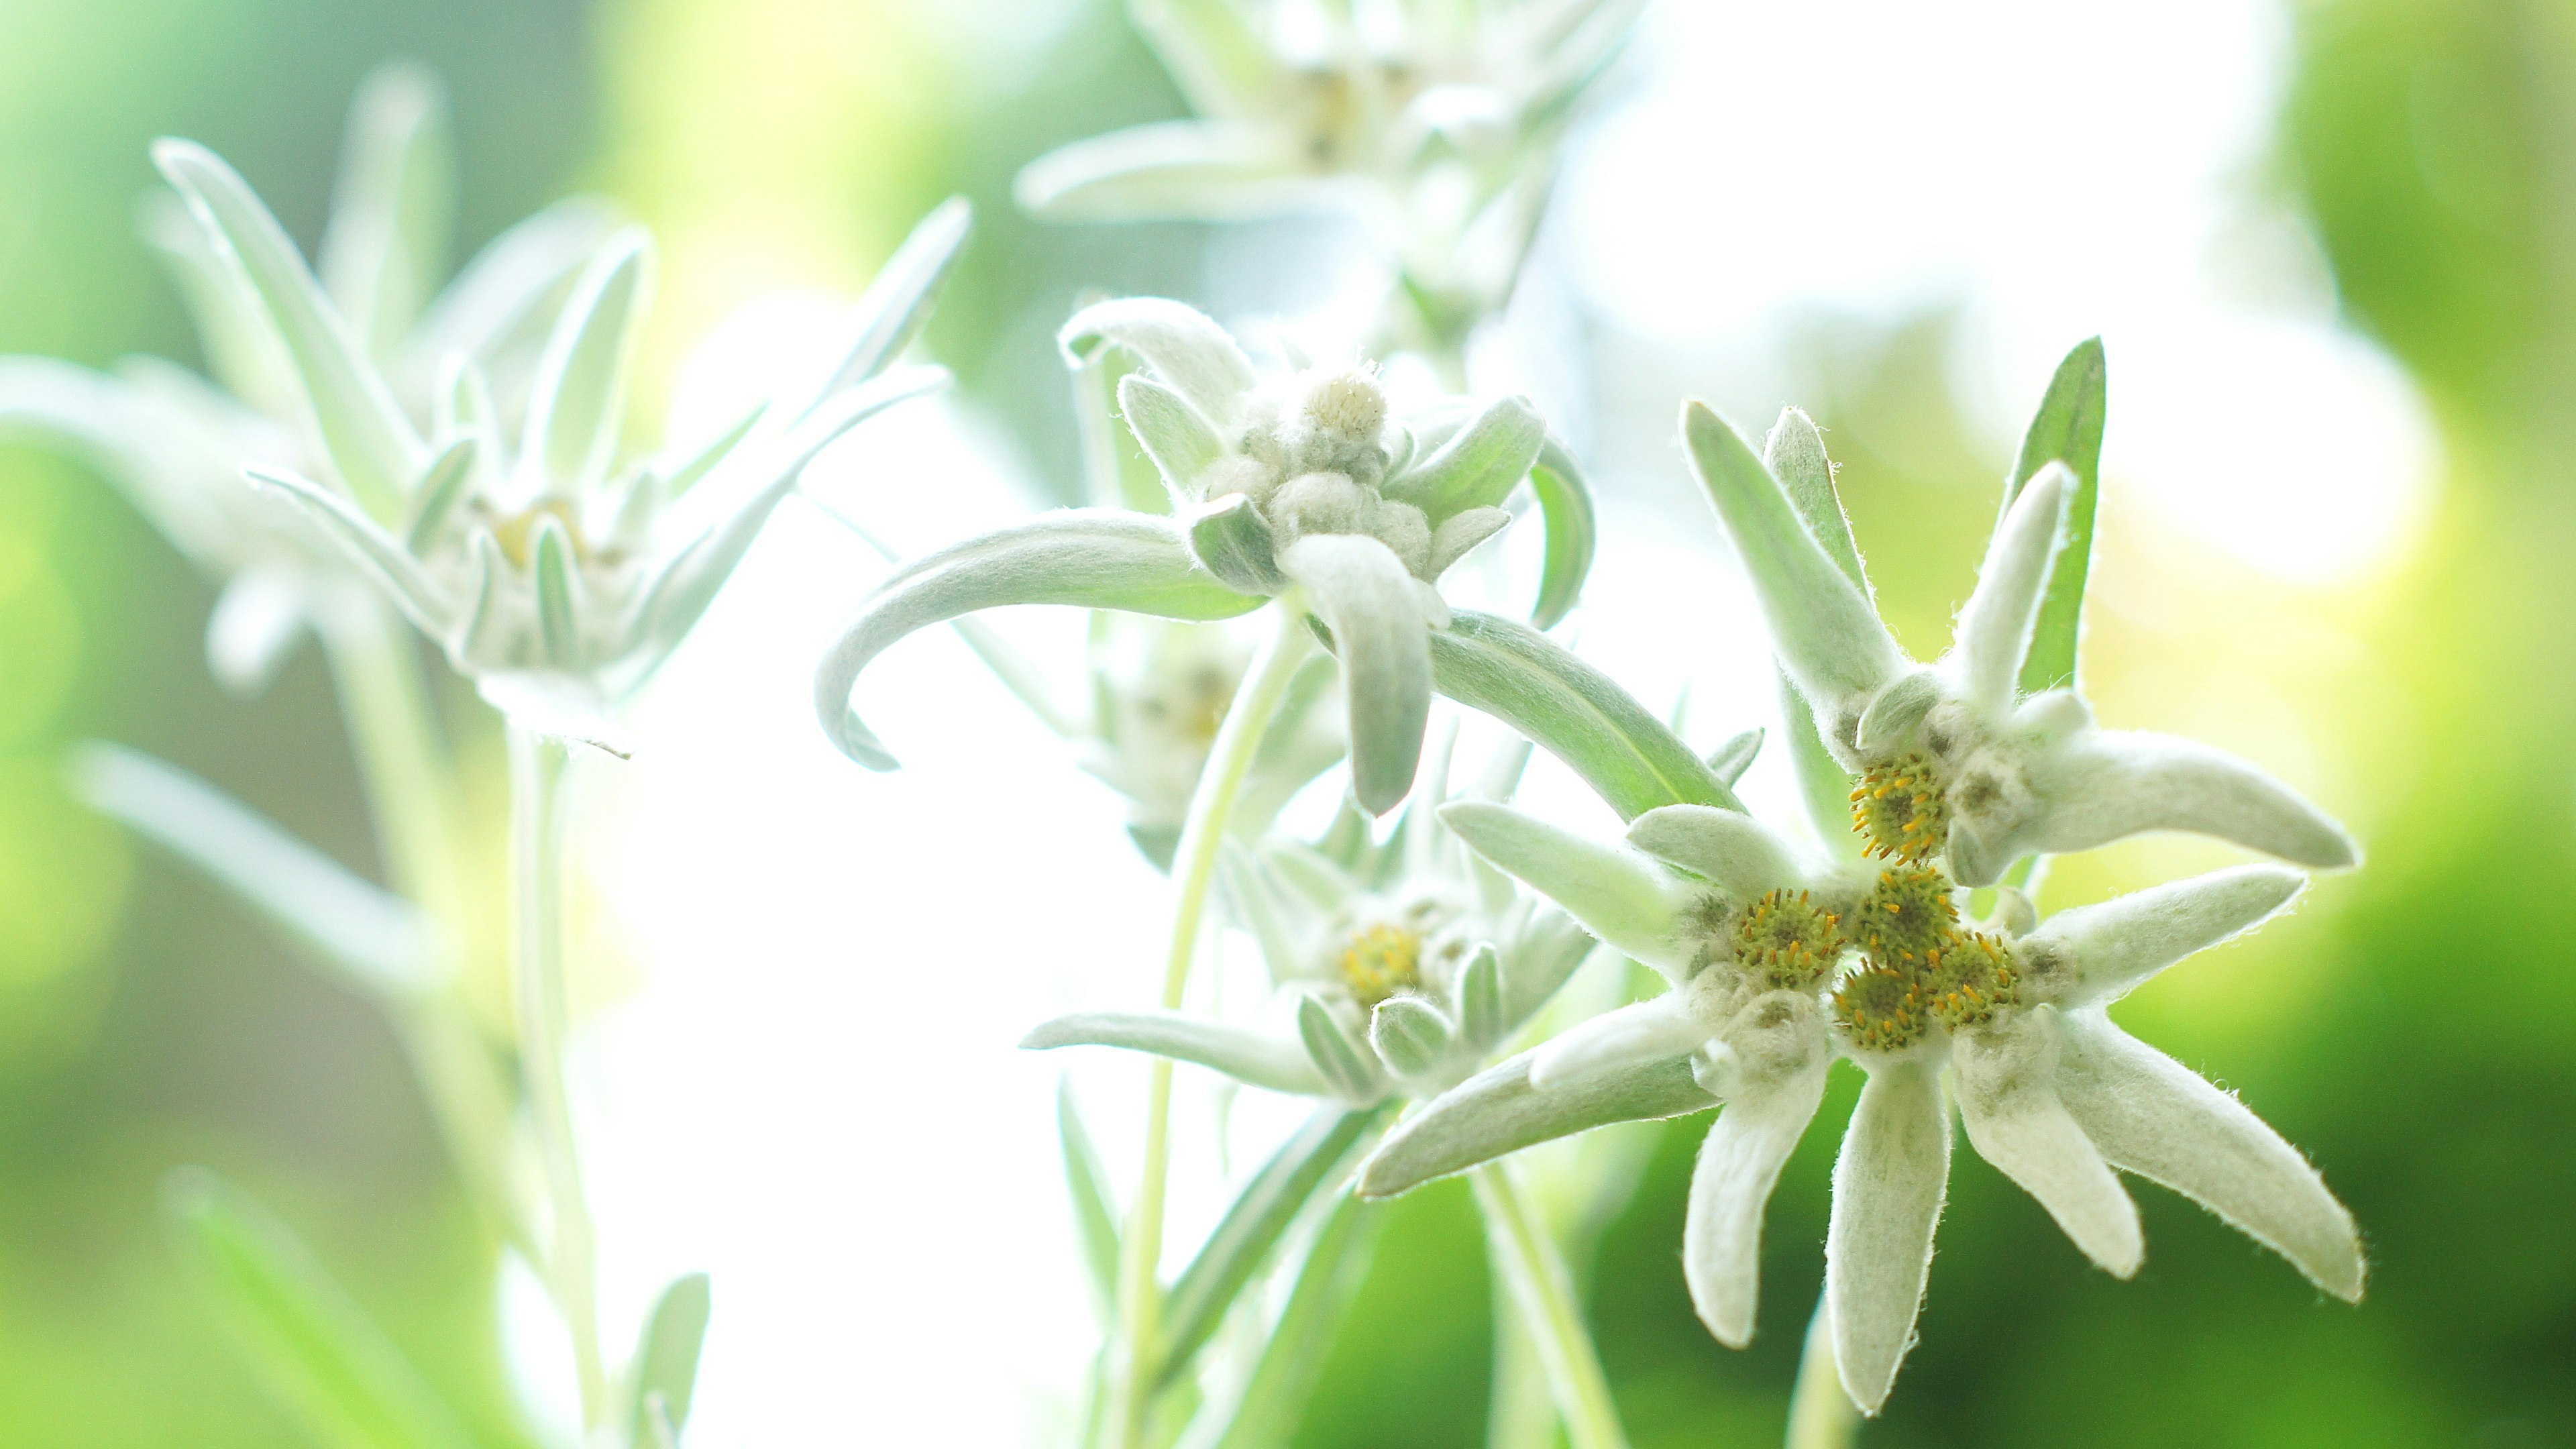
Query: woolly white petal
x=2102, y=952
x=1994, y=625
x=2151, y=1115
x=2104, y=785
x=1739, y=1163
x=2008, y=1101
x=1889, y=1182
x=1629, y=902
x=1644, y=1032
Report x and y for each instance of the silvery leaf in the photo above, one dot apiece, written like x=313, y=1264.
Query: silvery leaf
x=1497, y=1112
x=1196, y=357
x=1233, y=541
x=666, y=1358
x=1364, y=594
x=1479, y=466
x=2067, y=429
x=578, y=403
x=1254, y=1057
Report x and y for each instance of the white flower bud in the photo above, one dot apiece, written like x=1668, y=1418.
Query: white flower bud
x=1319, y=503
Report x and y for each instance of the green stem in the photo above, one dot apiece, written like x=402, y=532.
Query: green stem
x=1821, y=1415
x=537, y=838
x=1238, y=739
x=1526, y=1256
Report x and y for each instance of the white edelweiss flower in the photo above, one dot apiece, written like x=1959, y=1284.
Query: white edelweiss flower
x=1439, y=133
x=1401, y=969
x=556, y=576
x=1955, y=759
x=176, y=443
x=1749, y=929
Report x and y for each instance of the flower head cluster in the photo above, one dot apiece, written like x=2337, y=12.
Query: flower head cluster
x=176, y=443
x=1402, y=967
x=1304, y=485
x=1780, y=959
x=554, y=571
x=1438, y=129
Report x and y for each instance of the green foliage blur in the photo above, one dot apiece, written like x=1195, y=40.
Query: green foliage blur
x=2428, y=1062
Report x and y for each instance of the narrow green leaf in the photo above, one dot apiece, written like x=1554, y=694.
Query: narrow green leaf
x=1480, y=998
x=1178, y=344
x=449, y=478
x=422, y=599
x=1573, y=711
x=1251, y=1228
x=1412, y=1036
x=1095, y=1214
x=1361, y=591
x=1795, y=454
x=1732, y=759
x=1343, y=1064
x=372, y=445
x=579, y=400
x=502, y=299
x=2067, y=429
x=1273, y=1400
x=1234, y=542
x=1565, y=507
x=316, y=1350
x=1098, y=559
x=375, y=939
x=1173, y=434
x=666, y=1358
x=1480, y=465
x=896, y=305
x=685, y=475
x=1824, y=786
x=1116, y=473
x=558, y=624
x=1497, y=1112
x=1166, y=171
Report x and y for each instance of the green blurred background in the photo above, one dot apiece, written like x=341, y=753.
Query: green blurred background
x=2424, y=1052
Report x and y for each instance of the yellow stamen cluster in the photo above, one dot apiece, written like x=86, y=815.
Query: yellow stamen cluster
x=1380, y=961
x=1908, y=914
x=1970, y=976
x=1899, y=808
x=1789, y=941
x=1881, y=1010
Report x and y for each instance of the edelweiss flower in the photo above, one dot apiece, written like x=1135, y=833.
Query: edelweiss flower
x=1439, y=131
x=1300, y=487
x=557, y=578
x=1404, y=966
x=176, y=444
x=1964, y=759
x=1754, y=938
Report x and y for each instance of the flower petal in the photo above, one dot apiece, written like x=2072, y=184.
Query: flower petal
x=1728, y=847
x=1092, y=558
x=496, y=302
x=1739, y=1163
x=1254, y=1057
x=1364, y=594
x=1827, y=635
x=2153, y=1116
x=386, y=246
x=2100, y=953
x=1624, y=899
x=1889, y=1182
x=420, y=597
x=1183, y=348
x=1497, y=1112
x=2005, y=1076
x=1993, y=631
x=1644, y=1031
x=578, y=404
x=2108, y=784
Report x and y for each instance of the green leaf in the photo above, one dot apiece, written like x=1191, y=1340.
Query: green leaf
x=1233, y=541
x=1165, y=171
x=1573, y=711
x=1097, y=559
x=1179, y=345
x=1254, y=1057
x=1374, y=608
x=1095, y=1215
x=1346, y=1068
x=1795, y=454
x=1732, y=759
x=666, y=1358
x=2067, y=429
x=1565, y=507
x=1273, y=1400
x=316, y=1350
x=372, y=445
x=1497, y=1112
x=579, y=400
x=375, y=939
x=1173, y=434
x=1253, y=1225
x=1631, y=902
x=896, y=305
x=449, y=477
x=386, y=249
x=1480, y=998
x=1213, y=49
x=422, y=599
x=551, y=564
x=1116, y=472
x=1411, y=1035
x=1824, y=786
x=502, y=298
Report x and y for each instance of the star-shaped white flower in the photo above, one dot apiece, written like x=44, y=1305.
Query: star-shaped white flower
x=1956, y=760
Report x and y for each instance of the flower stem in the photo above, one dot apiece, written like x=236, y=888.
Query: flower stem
x=537, y=838
x=1220, y=783
x=1527, y=1259
x=1821, y=1415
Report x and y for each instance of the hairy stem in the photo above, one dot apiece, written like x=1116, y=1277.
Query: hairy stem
x=1220, y=783
x=1821, y=1415
x=1526, y=1257
x=537, y=838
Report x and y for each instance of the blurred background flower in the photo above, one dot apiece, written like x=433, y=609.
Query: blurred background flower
x=2330, y=246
